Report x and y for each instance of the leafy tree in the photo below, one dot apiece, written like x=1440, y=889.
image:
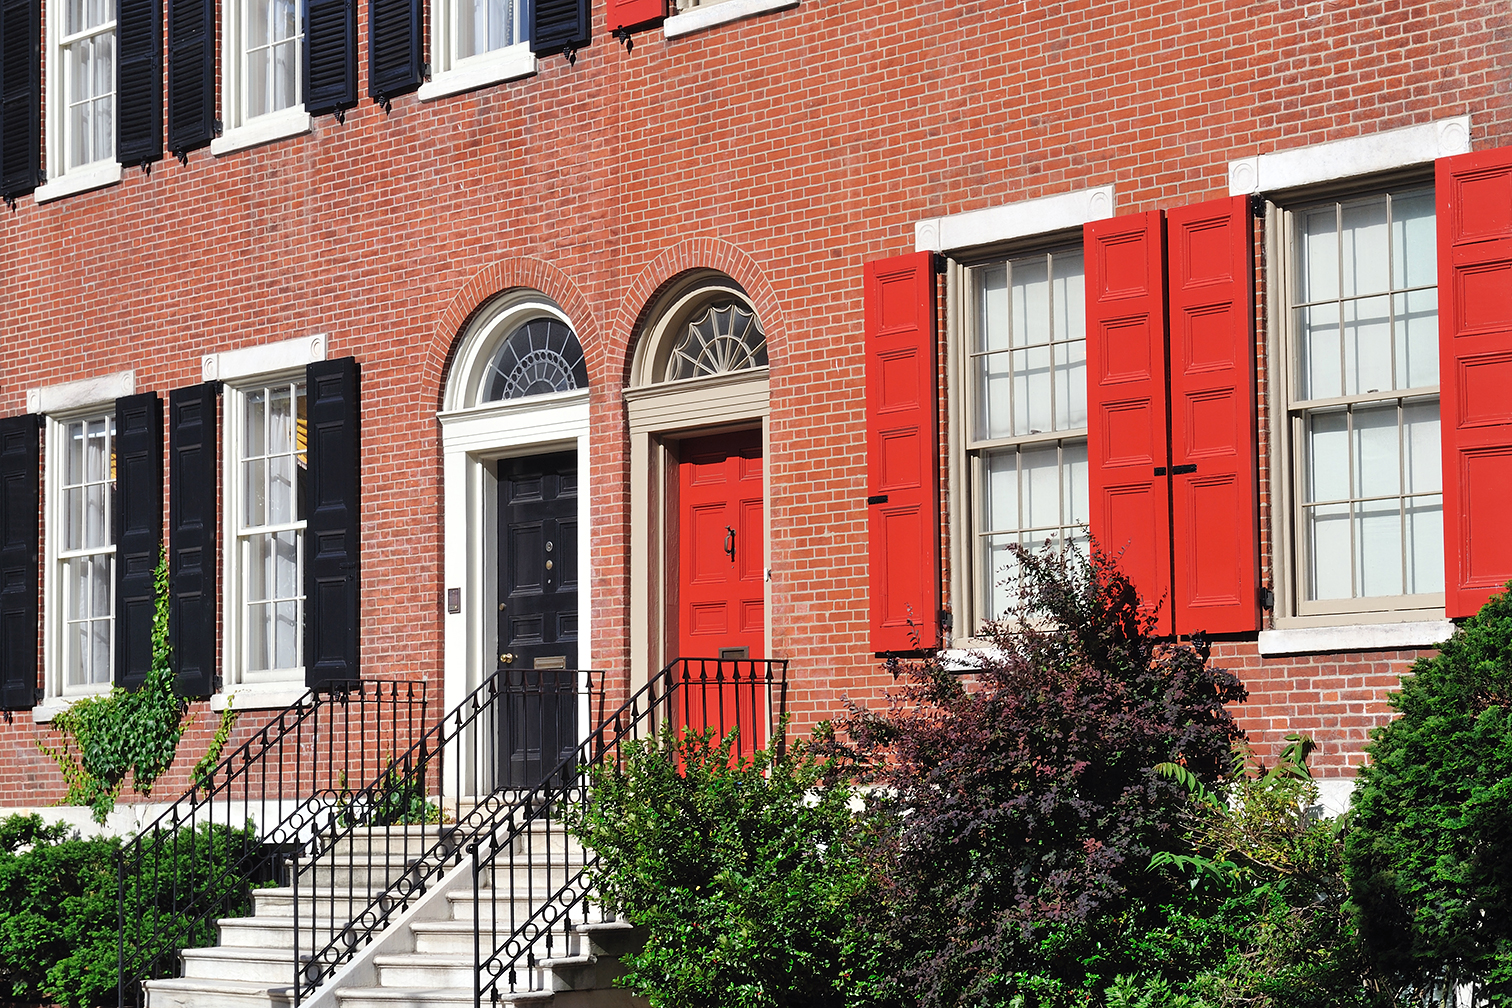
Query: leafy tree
x=1030, y=797
x=1429, y=860
x=751, y=876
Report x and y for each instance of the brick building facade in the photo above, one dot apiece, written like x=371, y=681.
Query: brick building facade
x=743, y=160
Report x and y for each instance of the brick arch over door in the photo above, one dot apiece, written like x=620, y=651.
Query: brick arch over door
x=697, y=254
x=513, y=273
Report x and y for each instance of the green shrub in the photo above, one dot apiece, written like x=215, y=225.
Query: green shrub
x=752, y=877
x=59, y=929
x=1430, y=856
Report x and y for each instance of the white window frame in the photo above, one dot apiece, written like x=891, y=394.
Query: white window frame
x=102, y=171
x=455, y=74
x=1287, y=456
x=242, y=130
x=234, y=622
x=698, y=15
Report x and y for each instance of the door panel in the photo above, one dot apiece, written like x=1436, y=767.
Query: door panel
x=721, y=585
x=538, y=617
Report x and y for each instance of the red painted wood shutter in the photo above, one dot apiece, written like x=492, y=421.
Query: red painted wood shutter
x=1129, y=503
x=634, y=13
x=1215, y=504
x=20, y=502
x=902, y=453
x=1474, y=196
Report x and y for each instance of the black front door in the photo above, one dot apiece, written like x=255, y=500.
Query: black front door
x=538, y=614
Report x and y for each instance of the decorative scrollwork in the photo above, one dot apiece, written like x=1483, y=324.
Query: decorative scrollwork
x=539, y=357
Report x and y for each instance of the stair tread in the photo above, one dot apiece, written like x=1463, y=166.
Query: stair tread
x=248, y=952
x=218, y=985
x=439, y=994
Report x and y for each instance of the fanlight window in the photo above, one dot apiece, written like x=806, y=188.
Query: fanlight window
x=540, y=356
x=726, y=338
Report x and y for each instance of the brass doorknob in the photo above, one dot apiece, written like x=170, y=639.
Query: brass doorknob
x=507, y=658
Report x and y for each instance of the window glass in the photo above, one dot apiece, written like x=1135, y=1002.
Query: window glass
x=86, y=50
x=273, y=33
x=272, y=462
x=1365, y=399
x=1027, y=374
x=486, y=25
x=723, y=339
x=86, y=553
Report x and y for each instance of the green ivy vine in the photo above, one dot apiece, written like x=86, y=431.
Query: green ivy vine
x=102, y=739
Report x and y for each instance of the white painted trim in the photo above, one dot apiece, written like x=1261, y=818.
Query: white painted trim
x=259, y=696
x=1340, y=159
x=712, y=14
x=83, y=179
x=510, y=63
x=1360, y=637
x=85, y=393
x=700, y=402
x=280, y=125
x=1015, y=220
x=472, y=440
x=263, y=360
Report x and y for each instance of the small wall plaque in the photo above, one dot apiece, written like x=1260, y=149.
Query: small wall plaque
x=454, y=600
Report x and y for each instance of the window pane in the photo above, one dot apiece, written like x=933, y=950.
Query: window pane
x=1032, y=390
x=1378, y=548
x=993, y=324
x=286, y=634
x=1319, y=250
x=1327, y=456
x=1376, y=452
x=254, y=434
x=1322, y=363
x=1414, y=252
x=1071, y=385
x=1041, y=484
x=1417, y=338
x=286, y=564
x=1031, y=302
x=255, y=506
x=1329, y=554
x=1069, y=296
x=1364, y=249
x=1367, y=345
x=1425, y=544
x=1001, y=504
x=1421, y=448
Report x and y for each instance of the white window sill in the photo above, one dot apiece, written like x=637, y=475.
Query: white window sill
x=259, y=696
x=1360, y=637
x=701, y=18
x=289, y=122
x=50, y=708
x=507, y=64
x=82, y=179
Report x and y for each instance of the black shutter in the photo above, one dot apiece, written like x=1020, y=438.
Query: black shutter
x=330, y=55
x=20, y=97
x=139, y=81
x=138, y=531
x=20, y=504
x=558, y=26
x=331, y=545
x=191, y=537
x=394, y=49
x=191, y=75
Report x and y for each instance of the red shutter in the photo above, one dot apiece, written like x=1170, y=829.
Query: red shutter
x=1126, y=401
x=632, y=13
x=1475, y=371
x=902, y=453
x=1215, y=503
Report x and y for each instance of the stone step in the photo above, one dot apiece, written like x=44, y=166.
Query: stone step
x=432, y=997
x=185, y=992
x=279, y=902
x=454, y=938
x=420, y=971
x=505, y=907
x=274, y=932
x=270, y=966
x=399, y=839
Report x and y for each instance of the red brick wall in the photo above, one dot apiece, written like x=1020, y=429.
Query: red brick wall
x=786, y=149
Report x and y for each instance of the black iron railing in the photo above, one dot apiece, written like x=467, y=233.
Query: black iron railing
x=461, y=779
x=531, y=880
x=317, y=760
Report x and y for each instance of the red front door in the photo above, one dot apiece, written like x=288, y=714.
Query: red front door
x=721, y=583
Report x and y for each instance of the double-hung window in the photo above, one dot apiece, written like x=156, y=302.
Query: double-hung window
x=479, y=42
x=1362, y=406
x=81, y=465
x=267, y=460
x=81, y=110
x=1026, y=414
x=263, y=79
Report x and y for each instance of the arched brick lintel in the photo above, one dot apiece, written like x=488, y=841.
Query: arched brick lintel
x=695, y=254
x=513, y=273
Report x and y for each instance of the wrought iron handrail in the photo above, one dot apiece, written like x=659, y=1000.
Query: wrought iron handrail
x=364, y=864
x=195, y=862
x=691, y=692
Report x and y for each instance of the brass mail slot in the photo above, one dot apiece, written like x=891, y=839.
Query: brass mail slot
x=553, y=662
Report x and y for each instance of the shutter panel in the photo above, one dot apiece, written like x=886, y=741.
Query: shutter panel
x=139, y=81
x=394, y=48
x=191, y=537
x=20, y=506
x=1215, y=508
x=331, y=544
x=558, y=26
x=1129, y=504
x=634, y=13
x=138, y=531
x=902, y=453
x=20, y=97
x=1474, y=196
x=330, y=55
x=191, y=75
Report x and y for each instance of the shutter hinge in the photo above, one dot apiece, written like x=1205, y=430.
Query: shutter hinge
x=425, y=71
x=1267, y=598
x=182, y=155
x=940, y=264
x=382, y=101
x=625, y=38
x=571, y=53
x=146, y=167
x=218, y=128
x=1257, y=205
x=339, y=115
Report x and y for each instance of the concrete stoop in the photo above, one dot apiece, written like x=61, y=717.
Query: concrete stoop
x=423, y=959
